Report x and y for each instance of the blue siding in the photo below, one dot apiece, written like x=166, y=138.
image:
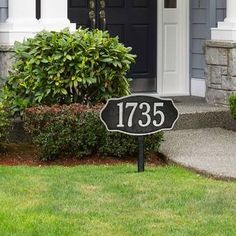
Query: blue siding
x=204, y=14
x=220, y=10
x=3, y=10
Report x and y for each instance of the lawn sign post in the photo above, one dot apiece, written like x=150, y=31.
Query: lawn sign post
x=139, y=115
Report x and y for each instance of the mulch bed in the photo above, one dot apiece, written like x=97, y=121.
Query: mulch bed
x=24, y=154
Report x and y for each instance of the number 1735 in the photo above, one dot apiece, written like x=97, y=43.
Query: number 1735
x=147, y=112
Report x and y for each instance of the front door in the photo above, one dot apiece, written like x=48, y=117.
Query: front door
x=135, y=22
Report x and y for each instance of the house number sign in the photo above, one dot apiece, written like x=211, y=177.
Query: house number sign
x=139, y=115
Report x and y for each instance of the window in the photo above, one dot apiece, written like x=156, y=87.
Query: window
x=170, y=3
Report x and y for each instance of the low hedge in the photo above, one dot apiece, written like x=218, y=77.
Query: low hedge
x=4, y=126
x=76, y=130
x=232, y=102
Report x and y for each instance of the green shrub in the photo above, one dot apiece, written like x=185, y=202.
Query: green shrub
x=4, y=126
x=76, y=130
x=121, y=145
x=2, y=83
x=232, y=102
x=64, y=68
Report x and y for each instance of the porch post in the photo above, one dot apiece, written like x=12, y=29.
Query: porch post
x=226, y=30
x=21, y=22
x=21, y=12
x=230, y=11
x=54, y=15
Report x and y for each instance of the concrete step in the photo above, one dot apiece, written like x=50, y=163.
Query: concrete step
x=195, y=113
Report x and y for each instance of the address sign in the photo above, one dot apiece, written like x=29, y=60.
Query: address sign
x=139, y=114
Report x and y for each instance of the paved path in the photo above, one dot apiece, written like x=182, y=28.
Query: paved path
x=210, y=150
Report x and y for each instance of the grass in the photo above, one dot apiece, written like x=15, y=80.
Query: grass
x=114, y=200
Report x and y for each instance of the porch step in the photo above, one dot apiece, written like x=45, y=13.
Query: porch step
x=195, y=113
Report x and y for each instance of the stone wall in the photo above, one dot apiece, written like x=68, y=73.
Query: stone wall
x=220, y=71
x=6, y=60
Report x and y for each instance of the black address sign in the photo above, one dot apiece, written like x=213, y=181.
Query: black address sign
x=139, y=114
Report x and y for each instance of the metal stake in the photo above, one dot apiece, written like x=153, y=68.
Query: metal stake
x=141, y=154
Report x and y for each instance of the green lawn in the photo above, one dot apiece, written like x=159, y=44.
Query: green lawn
x=114, y=200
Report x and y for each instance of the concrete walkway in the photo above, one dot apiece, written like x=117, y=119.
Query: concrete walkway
x=211, y=150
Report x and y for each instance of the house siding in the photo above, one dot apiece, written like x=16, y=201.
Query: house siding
x=3, y=10
x=220, y=10
x=204, y=14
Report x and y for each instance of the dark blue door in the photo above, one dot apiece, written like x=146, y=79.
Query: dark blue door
x=135, y=22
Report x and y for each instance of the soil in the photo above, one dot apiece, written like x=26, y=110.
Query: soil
x=25, y=154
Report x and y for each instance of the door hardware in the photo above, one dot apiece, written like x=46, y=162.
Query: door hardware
x=102, y=4
x=91, y=4
x=92, y=14
x=102, y=15
x=92, y=19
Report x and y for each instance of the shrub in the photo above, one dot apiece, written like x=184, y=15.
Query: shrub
x=2, y=83
x=64, y=68
x=4, y=126
x=77, y=130
x=232, y=102
x=121, y=145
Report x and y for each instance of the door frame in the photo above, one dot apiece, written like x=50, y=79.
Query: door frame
x=185, y=46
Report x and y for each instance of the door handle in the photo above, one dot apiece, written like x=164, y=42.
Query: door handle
x=92, y=19
x=92, y=15
x=92, y=4
x=102, y=15
x=102, y=4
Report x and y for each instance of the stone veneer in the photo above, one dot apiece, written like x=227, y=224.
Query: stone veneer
x=220, y=71
x=6, y=59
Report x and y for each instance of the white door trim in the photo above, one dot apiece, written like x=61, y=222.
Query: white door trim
x=185, y=47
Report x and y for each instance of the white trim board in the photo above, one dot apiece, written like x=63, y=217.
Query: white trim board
x=198, y=87
x=182, y=83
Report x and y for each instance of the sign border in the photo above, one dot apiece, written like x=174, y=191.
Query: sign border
x=136, y=95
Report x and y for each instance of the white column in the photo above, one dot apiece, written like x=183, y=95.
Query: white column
x=54, y=15
x=21, y=12
x=230, y=11
x=226, y=30
x=21, y=22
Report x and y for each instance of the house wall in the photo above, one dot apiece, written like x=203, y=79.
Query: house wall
x=220, y=10
x=3, y=10
x=204, y=14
